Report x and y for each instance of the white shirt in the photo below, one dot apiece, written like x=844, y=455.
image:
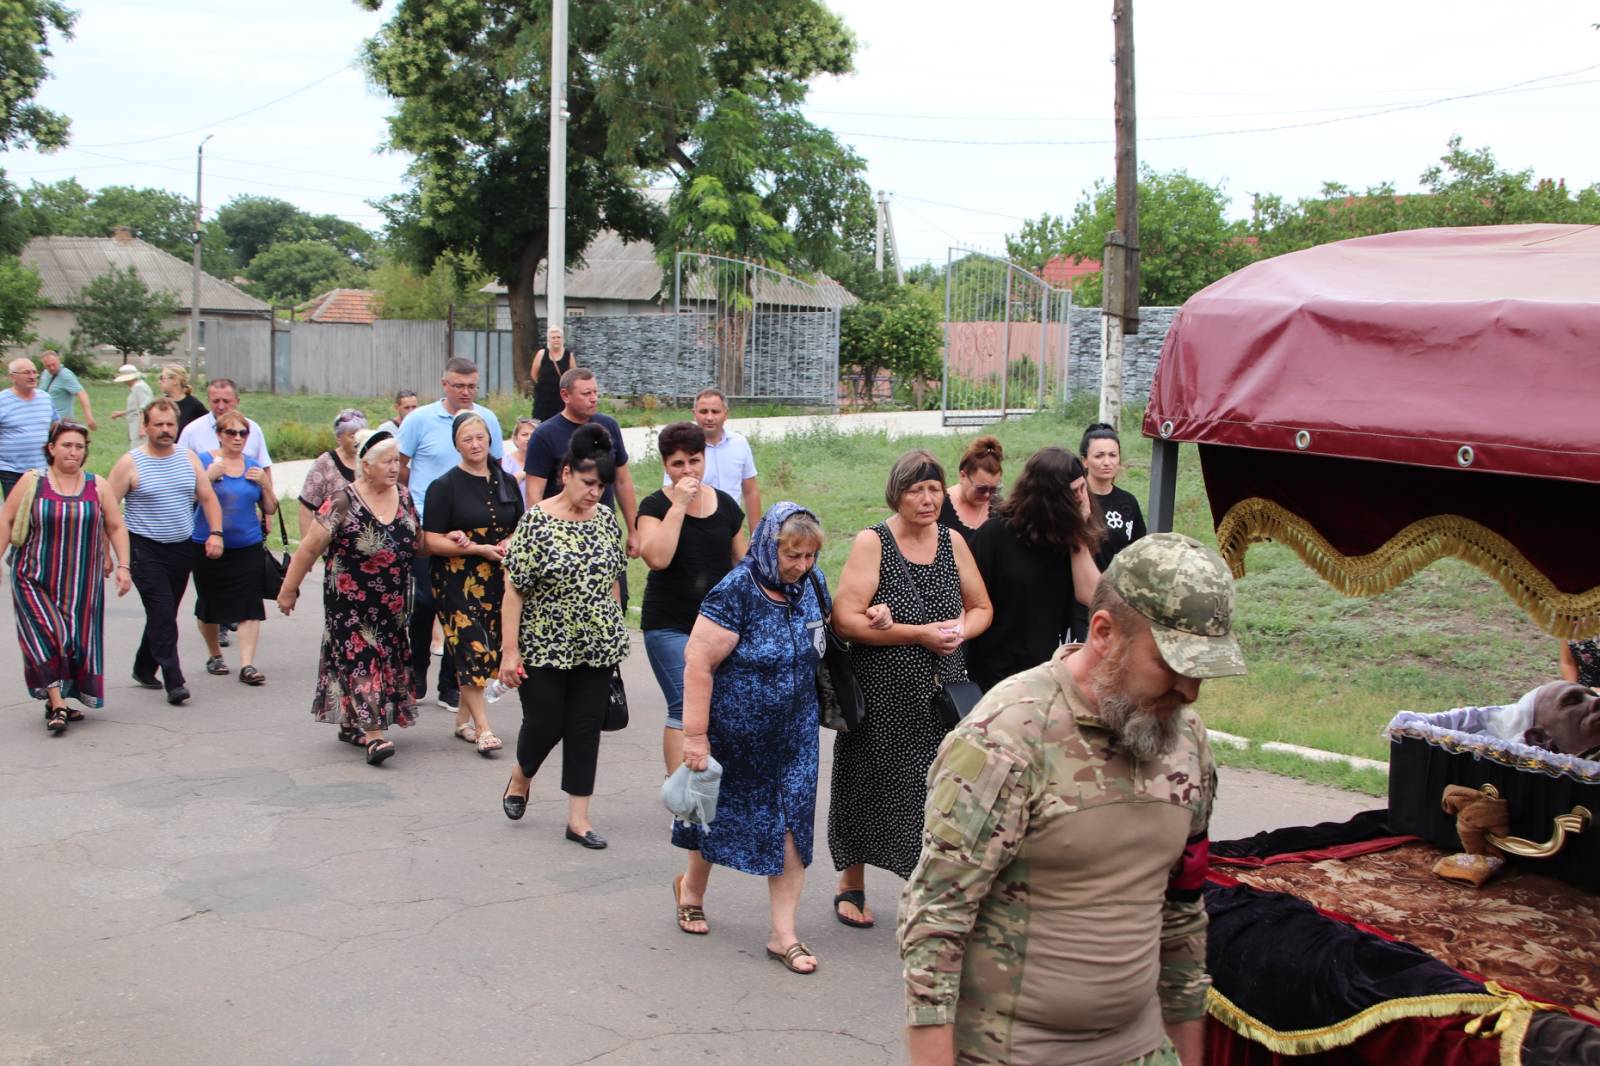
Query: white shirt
x=728, y=463
x=200, y=437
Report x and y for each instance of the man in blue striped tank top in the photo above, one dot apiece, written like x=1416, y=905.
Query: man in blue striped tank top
x=159, y=485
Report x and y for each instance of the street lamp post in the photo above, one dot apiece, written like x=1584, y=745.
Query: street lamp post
x=194, y=305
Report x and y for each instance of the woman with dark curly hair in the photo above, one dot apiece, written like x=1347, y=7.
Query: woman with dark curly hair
x=1037, y=560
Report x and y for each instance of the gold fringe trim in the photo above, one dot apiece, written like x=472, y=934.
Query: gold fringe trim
x=1567, y=615
x=1499, y=1014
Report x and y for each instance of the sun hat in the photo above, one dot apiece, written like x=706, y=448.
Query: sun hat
x=127, y=372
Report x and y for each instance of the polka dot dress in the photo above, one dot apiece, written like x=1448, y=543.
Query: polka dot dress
x=880, y=770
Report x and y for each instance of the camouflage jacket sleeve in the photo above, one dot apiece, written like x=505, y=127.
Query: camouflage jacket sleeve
x=1184, y=981
x=974, y=820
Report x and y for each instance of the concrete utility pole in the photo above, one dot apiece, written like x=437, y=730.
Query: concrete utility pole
x=877, y=248
x=1119, y=267
x=555, y=267
x=894, y=245
x=194, y=306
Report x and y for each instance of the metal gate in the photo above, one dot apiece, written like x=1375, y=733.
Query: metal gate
x=755, y=333
x=1006, y=340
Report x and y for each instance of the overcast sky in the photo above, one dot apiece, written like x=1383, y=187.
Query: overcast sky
x=144, y=80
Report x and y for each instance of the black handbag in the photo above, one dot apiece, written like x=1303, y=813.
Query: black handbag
x=616, y=716
x=273, y=568
x=841, y=704
x=951, y=700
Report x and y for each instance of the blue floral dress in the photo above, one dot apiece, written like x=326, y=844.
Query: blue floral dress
x=763, y=728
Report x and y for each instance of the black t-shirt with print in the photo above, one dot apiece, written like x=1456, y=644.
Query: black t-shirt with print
x=1123, y=520
x=705, y=555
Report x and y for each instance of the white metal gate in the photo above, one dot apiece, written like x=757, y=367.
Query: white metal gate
x=1006, y=340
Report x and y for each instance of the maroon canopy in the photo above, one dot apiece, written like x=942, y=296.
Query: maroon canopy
x=1471, y=353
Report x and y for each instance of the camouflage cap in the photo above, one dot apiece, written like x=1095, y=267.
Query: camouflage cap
x=1185, y=591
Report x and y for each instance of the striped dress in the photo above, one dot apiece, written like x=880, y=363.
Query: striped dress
x=59, y=590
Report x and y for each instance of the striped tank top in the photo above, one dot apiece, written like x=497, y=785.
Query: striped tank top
x=161, y=507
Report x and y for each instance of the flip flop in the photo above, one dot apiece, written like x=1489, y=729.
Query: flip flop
x=795, y=951
x=687, y=913
x=378, y=749
x=858, y=899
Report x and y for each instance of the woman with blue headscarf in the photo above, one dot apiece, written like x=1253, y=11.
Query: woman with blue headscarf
x=750, y=698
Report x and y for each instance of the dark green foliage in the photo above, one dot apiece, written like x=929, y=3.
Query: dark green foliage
x=25, y=29
x=19, y=300
x=292, y=271
x=119, y=310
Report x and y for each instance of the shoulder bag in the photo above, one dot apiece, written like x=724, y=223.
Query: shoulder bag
x=951, y=700
x=616, y=713
x=273, y=568
x=841, y=703
x=26, y=493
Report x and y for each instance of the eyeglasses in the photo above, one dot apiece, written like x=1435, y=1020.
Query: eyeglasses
x=241, y=433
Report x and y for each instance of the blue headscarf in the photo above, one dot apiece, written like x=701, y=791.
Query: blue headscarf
x=762, y=558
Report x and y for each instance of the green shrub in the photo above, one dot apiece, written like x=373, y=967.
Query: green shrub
x=296, y=440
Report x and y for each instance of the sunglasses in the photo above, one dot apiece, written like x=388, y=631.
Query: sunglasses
x=235, y=433
x=983, y=492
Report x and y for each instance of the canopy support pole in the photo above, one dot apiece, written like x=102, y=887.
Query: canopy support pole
x=1163, y=484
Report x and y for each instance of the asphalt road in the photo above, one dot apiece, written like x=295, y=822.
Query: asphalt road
x=225, y=883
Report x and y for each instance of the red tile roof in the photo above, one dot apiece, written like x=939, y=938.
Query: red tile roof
x=357, y=306
x=1062, y=272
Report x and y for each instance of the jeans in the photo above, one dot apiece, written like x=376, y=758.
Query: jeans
x=161, y=574
x=565, y=707
x=664, y=647
x=423, y=611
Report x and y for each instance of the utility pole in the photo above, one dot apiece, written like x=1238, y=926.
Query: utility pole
x=194, y=305
x=894, y=245
x=555, y=267
x=1119, y=267
x=877, y=248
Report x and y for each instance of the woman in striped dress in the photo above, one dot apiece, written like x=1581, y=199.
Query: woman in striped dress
x=58, y=574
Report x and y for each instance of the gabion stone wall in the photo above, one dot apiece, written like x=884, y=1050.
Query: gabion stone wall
x=1141, y=352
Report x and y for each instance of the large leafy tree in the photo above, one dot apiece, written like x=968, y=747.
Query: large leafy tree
x=1185, y=238
x=25, y=30
x=404, y=292
x=19, y=301
x=120, y=310
x=292, y=271
x=255, y=223
x=645, y=78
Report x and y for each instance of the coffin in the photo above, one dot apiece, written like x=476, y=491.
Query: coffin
x=1552, y=798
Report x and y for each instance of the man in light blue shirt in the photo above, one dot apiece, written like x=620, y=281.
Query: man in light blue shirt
x=61, y=385
x=25, y=418
x=730, y=465
x=427, y=451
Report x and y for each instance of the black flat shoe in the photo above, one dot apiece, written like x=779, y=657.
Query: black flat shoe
x=592, y=840
x=178, y=695
x=146, y=682
x=514, y=806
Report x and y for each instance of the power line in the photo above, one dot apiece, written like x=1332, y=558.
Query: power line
x=222, y=121
x=958, y=207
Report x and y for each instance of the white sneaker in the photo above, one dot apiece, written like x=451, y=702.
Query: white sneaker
x=451, y=707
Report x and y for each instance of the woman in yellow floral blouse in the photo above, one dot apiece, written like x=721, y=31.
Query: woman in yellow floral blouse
x=468, y=517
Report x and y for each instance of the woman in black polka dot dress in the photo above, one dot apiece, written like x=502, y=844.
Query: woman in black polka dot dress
x=880, y=768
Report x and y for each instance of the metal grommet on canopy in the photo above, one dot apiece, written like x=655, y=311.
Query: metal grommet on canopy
x=1464, y=455
x=1166, y=428
x=1302, y=440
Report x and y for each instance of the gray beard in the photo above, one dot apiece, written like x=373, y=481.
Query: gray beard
x=1140, y=731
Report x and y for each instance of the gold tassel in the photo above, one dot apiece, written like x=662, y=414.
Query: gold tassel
x=1569, y=615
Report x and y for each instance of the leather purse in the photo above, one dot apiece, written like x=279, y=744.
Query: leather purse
x=616, y=715
x=274, y=568
x=841, y=704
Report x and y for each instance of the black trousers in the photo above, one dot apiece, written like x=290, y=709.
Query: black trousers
x=8, y=481
x=565, y=707
x=160, y=573
x=423, y=611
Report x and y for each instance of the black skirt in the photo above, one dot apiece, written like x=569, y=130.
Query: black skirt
x=227, y=589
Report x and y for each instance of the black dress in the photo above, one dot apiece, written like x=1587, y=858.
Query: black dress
x=468, y=588
x=952, y=521
x=189, y=409
x=1031, y=590
x=880, y=769
x=547, y=386
x=1124, y=522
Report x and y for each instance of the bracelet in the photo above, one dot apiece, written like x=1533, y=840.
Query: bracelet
x=214, y=533
x=123, y=566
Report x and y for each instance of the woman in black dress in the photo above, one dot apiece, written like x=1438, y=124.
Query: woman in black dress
x=1037, y=560
x=174, y=381
x=549, y=363
x=926, y=576
x=971, y=501
x=468, y=518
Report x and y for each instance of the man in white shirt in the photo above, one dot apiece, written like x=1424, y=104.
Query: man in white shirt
x=405, y=401
x=730, y=465
x=200, y=436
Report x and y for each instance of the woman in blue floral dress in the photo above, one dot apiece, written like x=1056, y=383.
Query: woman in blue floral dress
x=750, y=699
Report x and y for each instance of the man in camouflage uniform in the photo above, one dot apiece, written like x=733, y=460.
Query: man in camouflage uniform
x=1055, y=915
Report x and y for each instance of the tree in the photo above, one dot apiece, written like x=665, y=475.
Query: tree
x=165, y=219
x=121, y=311
x=19, y=301
x=25, y=28
x=1041, y=240
x=471, y=82
x=293, y=271
x=13, y=226
x=454, y=281
x=253, y=224
x=900, y=333
x=1185, y=239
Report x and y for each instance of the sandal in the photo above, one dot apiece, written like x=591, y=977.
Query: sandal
x=687, y=913
x=251, y=676
x=349, y=734
x=74, y=715
x=56, y=720
x=378, y=750
x=218, y=666
x=468, y=732
x=488, y=742
x=795, y=951
x=857, y=898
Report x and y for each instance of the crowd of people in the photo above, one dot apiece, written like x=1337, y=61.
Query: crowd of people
x=518, y=549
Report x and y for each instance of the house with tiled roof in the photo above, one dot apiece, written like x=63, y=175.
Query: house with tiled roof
x=357, y=307
x=65, y=265
x=1063, y=273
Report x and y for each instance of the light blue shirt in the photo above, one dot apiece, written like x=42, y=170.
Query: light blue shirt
x=426, y=441
x=24, y=427
x=62, y=387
